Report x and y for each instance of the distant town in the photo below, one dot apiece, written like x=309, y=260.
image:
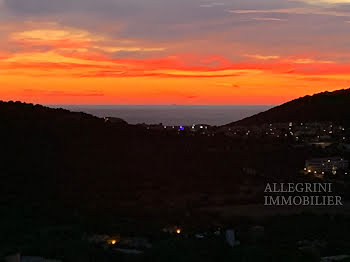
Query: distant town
x=330, y=138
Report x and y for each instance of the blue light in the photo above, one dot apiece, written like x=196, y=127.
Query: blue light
x=182, y=128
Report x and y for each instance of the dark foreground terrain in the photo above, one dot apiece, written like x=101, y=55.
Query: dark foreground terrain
x=66, y=176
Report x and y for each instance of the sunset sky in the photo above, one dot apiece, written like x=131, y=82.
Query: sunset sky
x=172, y=51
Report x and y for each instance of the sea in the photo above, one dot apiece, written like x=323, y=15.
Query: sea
x=171, y=114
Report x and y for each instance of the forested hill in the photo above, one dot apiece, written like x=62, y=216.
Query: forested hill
x=326, y=106
x=54, y=157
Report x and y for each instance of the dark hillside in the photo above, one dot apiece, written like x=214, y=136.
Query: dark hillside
x=327, y=106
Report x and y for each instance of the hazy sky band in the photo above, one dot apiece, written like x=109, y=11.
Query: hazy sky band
x=164, y=52
x=171, y=115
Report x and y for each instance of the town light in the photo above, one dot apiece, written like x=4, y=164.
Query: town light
x=178, y=231
x=113, y=242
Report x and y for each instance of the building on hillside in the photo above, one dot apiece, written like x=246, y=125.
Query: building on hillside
x=326, y=165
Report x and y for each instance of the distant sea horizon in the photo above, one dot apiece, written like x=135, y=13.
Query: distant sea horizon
x=171, y=114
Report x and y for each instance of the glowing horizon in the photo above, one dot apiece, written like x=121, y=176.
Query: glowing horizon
x=159, y=52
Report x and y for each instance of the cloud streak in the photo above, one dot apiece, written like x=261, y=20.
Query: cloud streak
x=150, y=51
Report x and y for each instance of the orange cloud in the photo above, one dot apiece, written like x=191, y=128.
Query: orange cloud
x=263, y=57
x=80, y=67
x=59, y=93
